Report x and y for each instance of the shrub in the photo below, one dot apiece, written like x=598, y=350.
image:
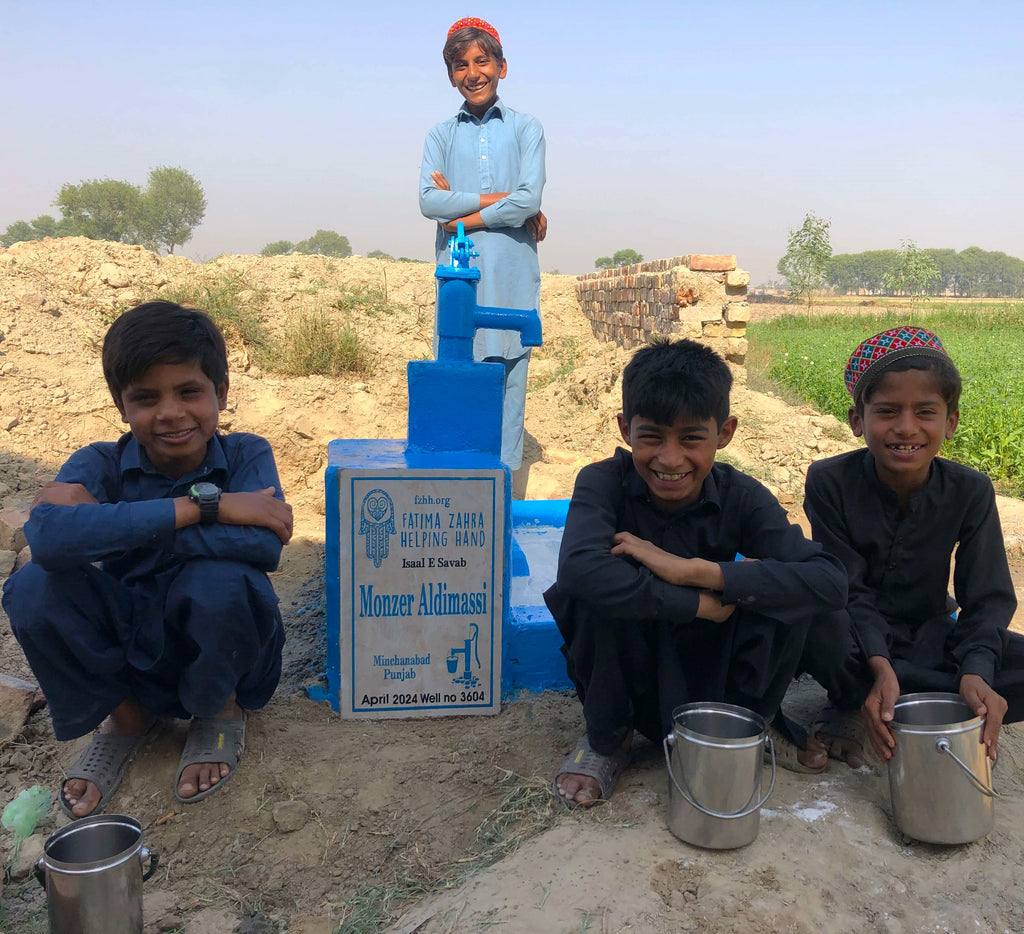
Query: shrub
x=370, y=300
x=232, y=302
x=315, y=343
x=278, y=248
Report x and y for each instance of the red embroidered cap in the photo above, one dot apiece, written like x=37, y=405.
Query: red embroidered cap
x=476, y=23
x=878, y=352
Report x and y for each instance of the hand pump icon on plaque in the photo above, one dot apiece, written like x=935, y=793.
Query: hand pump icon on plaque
x=469, y=651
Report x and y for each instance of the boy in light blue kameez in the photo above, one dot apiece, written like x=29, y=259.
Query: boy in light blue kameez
x=485, y=167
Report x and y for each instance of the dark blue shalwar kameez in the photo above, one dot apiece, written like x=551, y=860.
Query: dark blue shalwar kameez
x=178, y=619
x=634, y=646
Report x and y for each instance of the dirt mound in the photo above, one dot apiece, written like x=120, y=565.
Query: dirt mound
x=57, y=297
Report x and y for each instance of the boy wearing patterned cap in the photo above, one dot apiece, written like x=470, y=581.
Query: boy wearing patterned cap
x=895, y=513
x=485, y=167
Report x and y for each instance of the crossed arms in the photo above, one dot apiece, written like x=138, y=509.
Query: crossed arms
x=76, y=521
x=517, y=208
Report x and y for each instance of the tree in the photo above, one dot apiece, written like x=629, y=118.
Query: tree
x=174, y=204
x=43, y=226
x=805, y=263
x=325, y=243
x=17, y=232
x=914, y=272
x=277, y=248
x=619, y=258
x=379, y=254
x=162, y=216
x=102, y=209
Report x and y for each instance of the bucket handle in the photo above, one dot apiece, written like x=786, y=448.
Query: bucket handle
x=746, y=811
x=943, y=745
x=154, y=859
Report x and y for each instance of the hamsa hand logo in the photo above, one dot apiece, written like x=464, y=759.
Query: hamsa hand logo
x=377, y=522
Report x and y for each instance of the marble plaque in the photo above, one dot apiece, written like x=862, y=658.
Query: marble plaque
x=422, y=555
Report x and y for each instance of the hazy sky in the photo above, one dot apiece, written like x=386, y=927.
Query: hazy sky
x=671, y=127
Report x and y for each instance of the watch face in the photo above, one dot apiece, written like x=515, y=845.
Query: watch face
x=205, y=489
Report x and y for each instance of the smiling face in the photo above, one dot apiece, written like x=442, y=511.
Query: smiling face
x=904, y=423
x=674, y=459
x=173, y=410
x=476, y=73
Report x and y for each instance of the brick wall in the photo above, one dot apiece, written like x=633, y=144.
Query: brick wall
x=698, y=296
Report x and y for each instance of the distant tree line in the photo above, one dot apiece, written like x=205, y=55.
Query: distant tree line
x=971, y=273
x=322, y=243
x=160, y=216
x=619, y=258
x=326, y=243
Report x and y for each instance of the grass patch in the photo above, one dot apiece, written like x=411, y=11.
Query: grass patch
x=565, y=351
x=371, y=301
x=986, y=341
x=526, y=809
x=234, y=305
x=315, y=343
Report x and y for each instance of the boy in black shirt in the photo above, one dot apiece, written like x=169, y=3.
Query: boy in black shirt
x=654, y=609
x=895, y=513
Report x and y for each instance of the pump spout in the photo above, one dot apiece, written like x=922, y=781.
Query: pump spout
x=527, y=323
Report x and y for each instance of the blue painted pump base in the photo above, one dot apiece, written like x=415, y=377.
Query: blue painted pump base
x=455, y=412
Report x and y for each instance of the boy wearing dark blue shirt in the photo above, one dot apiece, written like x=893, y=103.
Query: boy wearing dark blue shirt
x=654, y=609
x=895, y=513
x=179, y=619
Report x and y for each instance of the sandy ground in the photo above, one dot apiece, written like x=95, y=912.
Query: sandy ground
x=369, y=825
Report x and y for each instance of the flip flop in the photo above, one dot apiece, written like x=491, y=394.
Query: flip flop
x=584, y=761
x=833, y=726
x=211, y=739
x=790, y=739
x=104, y=762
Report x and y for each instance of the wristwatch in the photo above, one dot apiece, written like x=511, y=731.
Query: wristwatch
x=207, y=497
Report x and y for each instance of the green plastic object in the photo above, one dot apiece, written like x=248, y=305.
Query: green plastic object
x=23, y=813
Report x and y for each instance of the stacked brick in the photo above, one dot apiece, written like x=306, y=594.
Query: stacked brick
x=699, y=296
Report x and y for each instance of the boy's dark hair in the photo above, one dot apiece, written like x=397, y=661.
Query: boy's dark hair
x=462, y=39
x=944, y=370
x=161, y=332
x=667, y=378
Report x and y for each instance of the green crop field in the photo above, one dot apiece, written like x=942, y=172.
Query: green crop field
x=807, y=355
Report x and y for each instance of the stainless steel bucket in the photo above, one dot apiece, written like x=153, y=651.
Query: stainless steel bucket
x=939, y=776
x=92, y=873
x=715, y=758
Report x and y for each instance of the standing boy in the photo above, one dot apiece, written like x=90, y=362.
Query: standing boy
x=179, y=619
x=654, y=609
x=485, y=168
x=895, y=514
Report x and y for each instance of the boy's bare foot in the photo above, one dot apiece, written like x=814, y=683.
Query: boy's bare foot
x=814, y=757
x=795, y=749
x=127, y=719
x=202, y=776
x=585, y=790
x=581, y=789
x=842, y=734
